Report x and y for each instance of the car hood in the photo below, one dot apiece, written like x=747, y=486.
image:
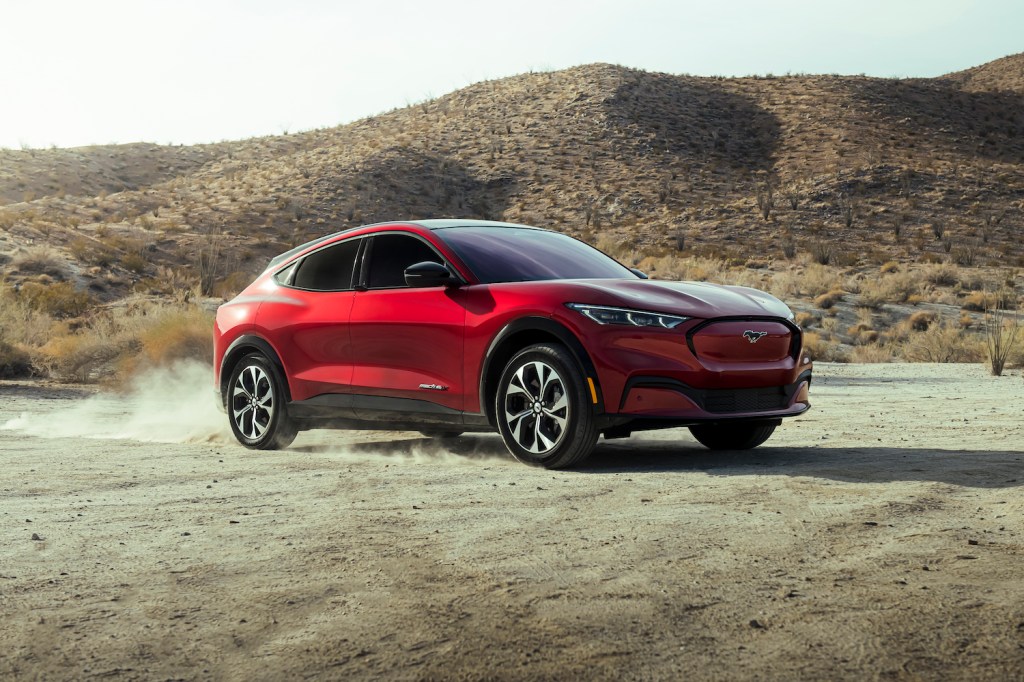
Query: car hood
x=692, y=299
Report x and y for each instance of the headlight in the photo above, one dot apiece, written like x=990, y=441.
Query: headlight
x=633, y=318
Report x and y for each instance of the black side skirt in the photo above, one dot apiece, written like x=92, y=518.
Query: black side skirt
x=371, y=412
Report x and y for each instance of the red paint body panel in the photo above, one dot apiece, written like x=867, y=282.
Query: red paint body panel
x=390, y=342
x=658, y=402
x=402, y=338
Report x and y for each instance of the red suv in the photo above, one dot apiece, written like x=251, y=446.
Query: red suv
x=453, y=326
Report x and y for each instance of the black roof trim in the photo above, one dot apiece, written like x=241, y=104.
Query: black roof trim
x=433, y=224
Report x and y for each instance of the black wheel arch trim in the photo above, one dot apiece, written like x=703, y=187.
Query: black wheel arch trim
x=548, y=326
x=241, y=347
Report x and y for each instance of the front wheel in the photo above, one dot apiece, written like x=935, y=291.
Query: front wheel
x=739, y=436
x=257, y=406
x=542, y=408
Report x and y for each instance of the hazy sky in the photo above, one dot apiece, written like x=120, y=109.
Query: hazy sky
x=82, y=72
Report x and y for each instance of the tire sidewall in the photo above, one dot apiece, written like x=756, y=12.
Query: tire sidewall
x=281, y=431
x=580, y=434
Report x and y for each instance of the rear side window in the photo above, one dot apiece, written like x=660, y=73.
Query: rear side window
x=328, y=269
x=392, y=254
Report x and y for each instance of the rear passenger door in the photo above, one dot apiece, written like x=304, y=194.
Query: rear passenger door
x=309, y=320
x=407, y=343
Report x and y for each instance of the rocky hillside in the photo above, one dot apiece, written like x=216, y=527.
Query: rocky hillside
x=857, y=170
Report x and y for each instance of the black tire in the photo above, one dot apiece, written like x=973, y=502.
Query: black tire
x=257, y=405
x=543, y=408
x=441, y=435
x=739, y=436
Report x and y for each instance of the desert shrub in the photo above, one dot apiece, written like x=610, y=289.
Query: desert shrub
x=972, y=280
x=874, y=354
x=233, y=283
x=897, y=287
x=40, y=260
x=21, y=324
x=1001, y=331
x=179, y=335
x=943, y=343
x=829, y=299
x=119, y=343
x=59, y=299
x=822, y=252
x=14, y=362
x=80, y=357
x=921, y=320
x=825, y=349
x=862, y=334
x=158, y=336
x=941, y=275
x=806, y=319
x=134, y=262
x=980, y=301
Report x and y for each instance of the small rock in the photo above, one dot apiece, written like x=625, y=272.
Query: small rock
x=871, y=523
x=186, y=534
x=966, y=556
x=35, y=536
x=232, y=521
x=972, y=542
x=755, y=623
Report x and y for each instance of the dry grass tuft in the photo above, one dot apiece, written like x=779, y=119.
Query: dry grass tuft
x=943, y=343
x=59, y=299
x=829, y=299
x=921, y=320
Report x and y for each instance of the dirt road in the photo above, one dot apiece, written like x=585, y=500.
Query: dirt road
x=880, y=536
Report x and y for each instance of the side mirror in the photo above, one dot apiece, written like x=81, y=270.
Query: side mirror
x=428, y=274
x=639, y=273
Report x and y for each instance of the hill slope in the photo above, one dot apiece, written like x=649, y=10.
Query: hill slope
x=742, y=167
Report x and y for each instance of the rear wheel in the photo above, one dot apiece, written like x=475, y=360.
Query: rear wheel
x=542, y=408
x=739, y=436
x=257, y=407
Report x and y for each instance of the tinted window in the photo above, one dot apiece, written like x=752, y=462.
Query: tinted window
x=392, y=254
x=328, y=269
x=508, y=254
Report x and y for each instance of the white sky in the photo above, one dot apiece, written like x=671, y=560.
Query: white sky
x=77, y=72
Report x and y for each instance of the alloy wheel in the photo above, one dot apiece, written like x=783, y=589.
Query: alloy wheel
x=536, y=409
x=252, y=402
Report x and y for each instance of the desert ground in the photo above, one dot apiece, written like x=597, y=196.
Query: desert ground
x=880, y=536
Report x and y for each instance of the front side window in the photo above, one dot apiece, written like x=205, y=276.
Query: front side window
x=392, y=254
x=329, y=269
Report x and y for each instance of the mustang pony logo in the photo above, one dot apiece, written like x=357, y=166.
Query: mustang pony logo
x=753, y=336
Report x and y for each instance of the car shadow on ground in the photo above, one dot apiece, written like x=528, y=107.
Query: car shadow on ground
x=868, y=464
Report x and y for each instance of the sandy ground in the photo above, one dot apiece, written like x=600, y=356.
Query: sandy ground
x=878, y=537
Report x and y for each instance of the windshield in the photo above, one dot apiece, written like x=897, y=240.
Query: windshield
x=510, y=254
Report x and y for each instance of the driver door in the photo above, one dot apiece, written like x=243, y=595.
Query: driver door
x=407, y=343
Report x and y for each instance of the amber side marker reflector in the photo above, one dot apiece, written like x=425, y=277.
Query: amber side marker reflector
x=593, y=391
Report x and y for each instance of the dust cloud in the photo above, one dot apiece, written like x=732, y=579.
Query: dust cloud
x=173, y=405
x=178, y=404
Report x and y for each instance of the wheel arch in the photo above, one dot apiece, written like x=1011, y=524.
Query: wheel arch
x=519, y=334
x=242, y=346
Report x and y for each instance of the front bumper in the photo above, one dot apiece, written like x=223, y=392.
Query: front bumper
x=653, y=396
